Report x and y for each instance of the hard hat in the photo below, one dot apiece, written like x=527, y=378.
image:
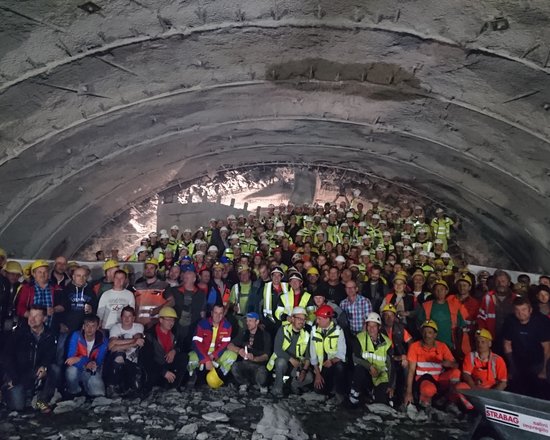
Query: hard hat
x=224, y=229
x=484, y=333
x=418, y=273
x=312, y=271
x=168, y=312
x=164, y=236
x=27, y=270
x=340, y=259
x=39, y=263
x=298, y=311
x=153, y=261
x=362, y=225
x=3, y=253
x=445, y=255
x=213, y=248
x=295, y=276
x=218, y=265
x=233, y=237
x=13, y=267
x=441, y=282
x=199, y=254
x=175, y=228
x=153, y=234
x=438, y=241
x=365, y=253
x=400, y=277
x=324, y=220
x=375, y=217
x=349, y=215
x=243, y=268
x=140, y=249
x=296, y=257
x=279, y=225
x=374, y=317
x=439, y=211
x=213, y=379
x=429, y=323
x=72, y=264
x=325, y=311
x=110, y=264
x=389, y=308
x=187, y=231
x=466, y=278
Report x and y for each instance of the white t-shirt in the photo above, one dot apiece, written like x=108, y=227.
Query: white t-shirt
x=111, y=304
x=89, y=346
x=118, y=332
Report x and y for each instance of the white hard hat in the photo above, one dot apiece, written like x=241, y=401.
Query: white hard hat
x=374, y=317
x=340, y=259
x=175, y=227
x=298, y=311
x=213, y=249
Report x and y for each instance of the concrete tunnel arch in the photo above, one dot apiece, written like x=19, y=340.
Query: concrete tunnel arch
x=100, y=111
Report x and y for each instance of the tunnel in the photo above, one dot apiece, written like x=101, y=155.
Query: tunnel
x=104, y=104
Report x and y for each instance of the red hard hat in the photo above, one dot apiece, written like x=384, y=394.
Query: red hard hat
x=325, y=311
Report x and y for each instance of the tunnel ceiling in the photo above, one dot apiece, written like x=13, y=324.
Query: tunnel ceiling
x=101, y=108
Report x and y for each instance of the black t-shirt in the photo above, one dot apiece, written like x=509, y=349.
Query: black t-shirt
x=258, y=344
x=335, y=293
x=527, y=338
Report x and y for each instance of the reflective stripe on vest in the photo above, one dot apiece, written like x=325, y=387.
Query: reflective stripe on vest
x=432, y=368
x=268, y=295
x=375, y=356
x=287, y=298
x=492, y=362
x=301, y=345
x=327, y=344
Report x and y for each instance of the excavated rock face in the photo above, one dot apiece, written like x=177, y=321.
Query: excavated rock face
x=105, y=105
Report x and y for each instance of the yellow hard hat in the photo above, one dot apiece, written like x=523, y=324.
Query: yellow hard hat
x=484, y=333
x=429, y=323
x=213, y=380
x=39, y=263
x=13, y=267
x=442, y=282
x=389, y=308
x=27, y=270
x=466, y=278
x=168, y=312
x=3, y=253
x=401, y=277
x=153, y=261
x=312, y=271
x=72, y=264
x=109, y=264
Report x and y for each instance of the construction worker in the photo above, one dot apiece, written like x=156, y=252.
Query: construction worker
x=402, y=300
x=270, y=296
x=295, y=297
x=240, y=292
x=471, y=305
x=372, y=357
x=482, y=369
x=328, y=354
x=210, y=343
x=432, y=367
x=401, y=340
x=449, y=314
x=441, y=227
x=291, y=354
x=106, y=283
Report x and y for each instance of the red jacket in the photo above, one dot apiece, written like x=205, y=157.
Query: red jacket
x=487, y=316
x=203, y=339
x=25, y=298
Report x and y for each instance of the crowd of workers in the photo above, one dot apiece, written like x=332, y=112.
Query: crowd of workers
x=364, y=305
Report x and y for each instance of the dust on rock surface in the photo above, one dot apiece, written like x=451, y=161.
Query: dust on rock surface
x=222, y=414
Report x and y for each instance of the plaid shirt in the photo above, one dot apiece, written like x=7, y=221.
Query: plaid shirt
x=44, y=297
x=356, y=312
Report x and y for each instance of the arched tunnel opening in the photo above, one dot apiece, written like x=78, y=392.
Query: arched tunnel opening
x=102, y=109
x=118, y=116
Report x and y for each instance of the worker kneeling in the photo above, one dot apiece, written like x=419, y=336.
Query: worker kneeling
x=291, y=354
x=482, y=369
x=372, y=358
x=432, y=367
x=328, y=354
x=210, y=352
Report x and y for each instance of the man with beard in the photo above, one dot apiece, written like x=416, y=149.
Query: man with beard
x=375, y=289
x=253, y=348
x=495, y=306
x=149, y=280
x=333, y=288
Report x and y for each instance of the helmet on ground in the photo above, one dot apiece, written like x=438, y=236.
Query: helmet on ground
x=213, y=379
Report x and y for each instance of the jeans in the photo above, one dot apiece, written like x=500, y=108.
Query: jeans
x=282, y=367
x=246, y=372
x=16, y=397
x=92, y=383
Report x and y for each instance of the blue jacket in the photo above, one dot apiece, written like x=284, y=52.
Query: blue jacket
x=78, y=347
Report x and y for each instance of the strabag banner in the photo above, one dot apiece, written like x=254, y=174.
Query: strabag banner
x=518, y=420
